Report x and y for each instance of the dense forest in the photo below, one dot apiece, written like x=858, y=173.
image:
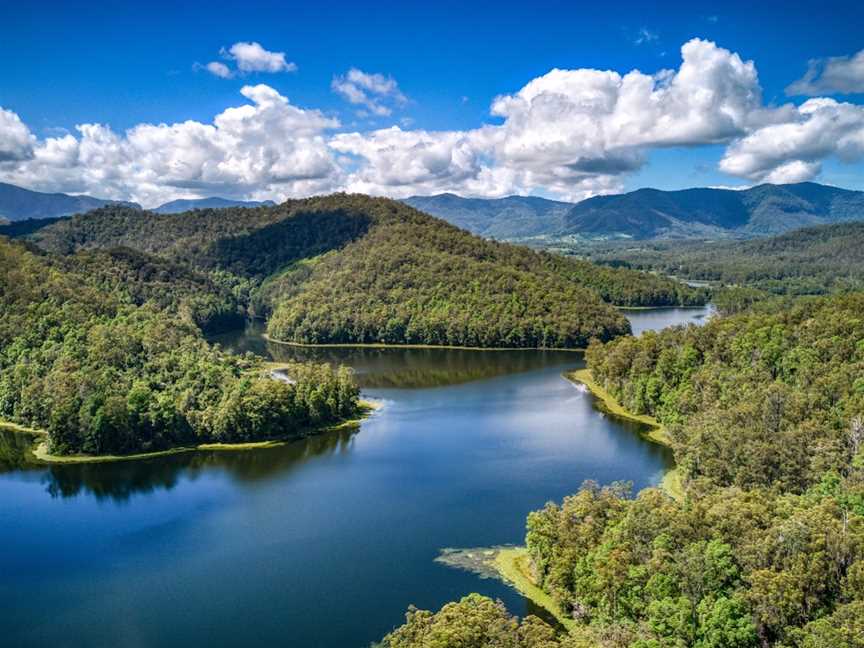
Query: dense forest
x=99, y=353
x=349, y=268
x=765, y=409
x=103, y=313
x=810, y=261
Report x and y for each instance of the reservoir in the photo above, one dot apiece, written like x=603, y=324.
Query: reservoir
x=320, y=543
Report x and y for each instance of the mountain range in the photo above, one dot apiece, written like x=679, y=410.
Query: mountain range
x=651, y=213
x=700, y=213
x=18, y=204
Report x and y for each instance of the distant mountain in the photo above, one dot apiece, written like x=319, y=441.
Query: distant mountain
x=713, y=213
x=17, y=203
x=513, y=217
x=178, y=206
x=651, y=213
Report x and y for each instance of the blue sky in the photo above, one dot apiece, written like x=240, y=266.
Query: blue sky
x=124, y=64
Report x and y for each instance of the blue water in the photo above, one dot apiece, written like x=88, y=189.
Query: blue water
x=323, y=542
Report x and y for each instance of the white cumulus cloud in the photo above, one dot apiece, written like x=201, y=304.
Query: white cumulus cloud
x=838, y=74
x=16, y=140
x=267, y=146
x=793, y=151
x=219, y=69
x=251, y=57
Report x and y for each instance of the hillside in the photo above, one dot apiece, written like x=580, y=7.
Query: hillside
x=17, y=203
x=812, y=260
x=182, y=205
x=513, y=217
x=93, y=353
x=352, y=268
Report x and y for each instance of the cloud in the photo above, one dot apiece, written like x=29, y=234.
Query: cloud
x=219, y=69
x=793, y=151
x=645, y=35
x=267, y=146
x=378, y=93
x=251, y=57
x=839, y=74
x=16, y=140
x=571, y=133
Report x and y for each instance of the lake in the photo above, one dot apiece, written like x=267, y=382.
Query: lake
x=319, y=543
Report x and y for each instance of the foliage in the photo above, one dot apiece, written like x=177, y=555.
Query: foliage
x=729, y=568
x=814, y=260
x=474, y=622
x=763, y=398
x=82, y=360
x=349, y=268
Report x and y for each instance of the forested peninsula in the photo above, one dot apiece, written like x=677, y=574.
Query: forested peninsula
x=765, y=410
x=110, y=365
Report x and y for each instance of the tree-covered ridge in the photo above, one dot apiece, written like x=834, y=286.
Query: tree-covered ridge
x=350, y=268
x=763, y=398
x=814, y=260
x=421, y=281
x=104, y=376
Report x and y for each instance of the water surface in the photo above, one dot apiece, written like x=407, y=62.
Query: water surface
x=322, y=542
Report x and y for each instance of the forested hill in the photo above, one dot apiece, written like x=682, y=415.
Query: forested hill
x=96, y=351
x=350, y=268
x=812, y=260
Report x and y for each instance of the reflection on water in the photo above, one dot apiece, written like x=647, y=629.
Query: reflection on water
x=319, y=543
x=389, y=367
x=119, y=480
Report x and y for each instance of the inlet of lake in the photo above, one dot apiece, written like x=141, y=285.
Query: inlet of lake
x=320, y=543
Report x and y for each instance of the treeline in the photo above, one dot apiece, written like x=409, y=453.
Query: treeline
x=809, y=261
x=350, y=268
x=105, y=376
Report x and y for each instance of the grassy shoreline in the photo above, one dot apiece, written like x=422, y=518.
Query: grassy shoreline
x=671, y=482
x=512, y=565
x=40, y=450
x=19, y=429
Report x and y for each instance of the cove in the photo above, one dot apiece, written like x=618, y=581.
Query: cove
x=323, y=542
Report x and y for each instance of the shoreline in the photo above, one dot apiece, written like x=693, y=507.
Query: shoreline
x=20, y=429
x=510, y=563
x=671, y=481
x=640, y=308
x=40, y=450
x=388, y=345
